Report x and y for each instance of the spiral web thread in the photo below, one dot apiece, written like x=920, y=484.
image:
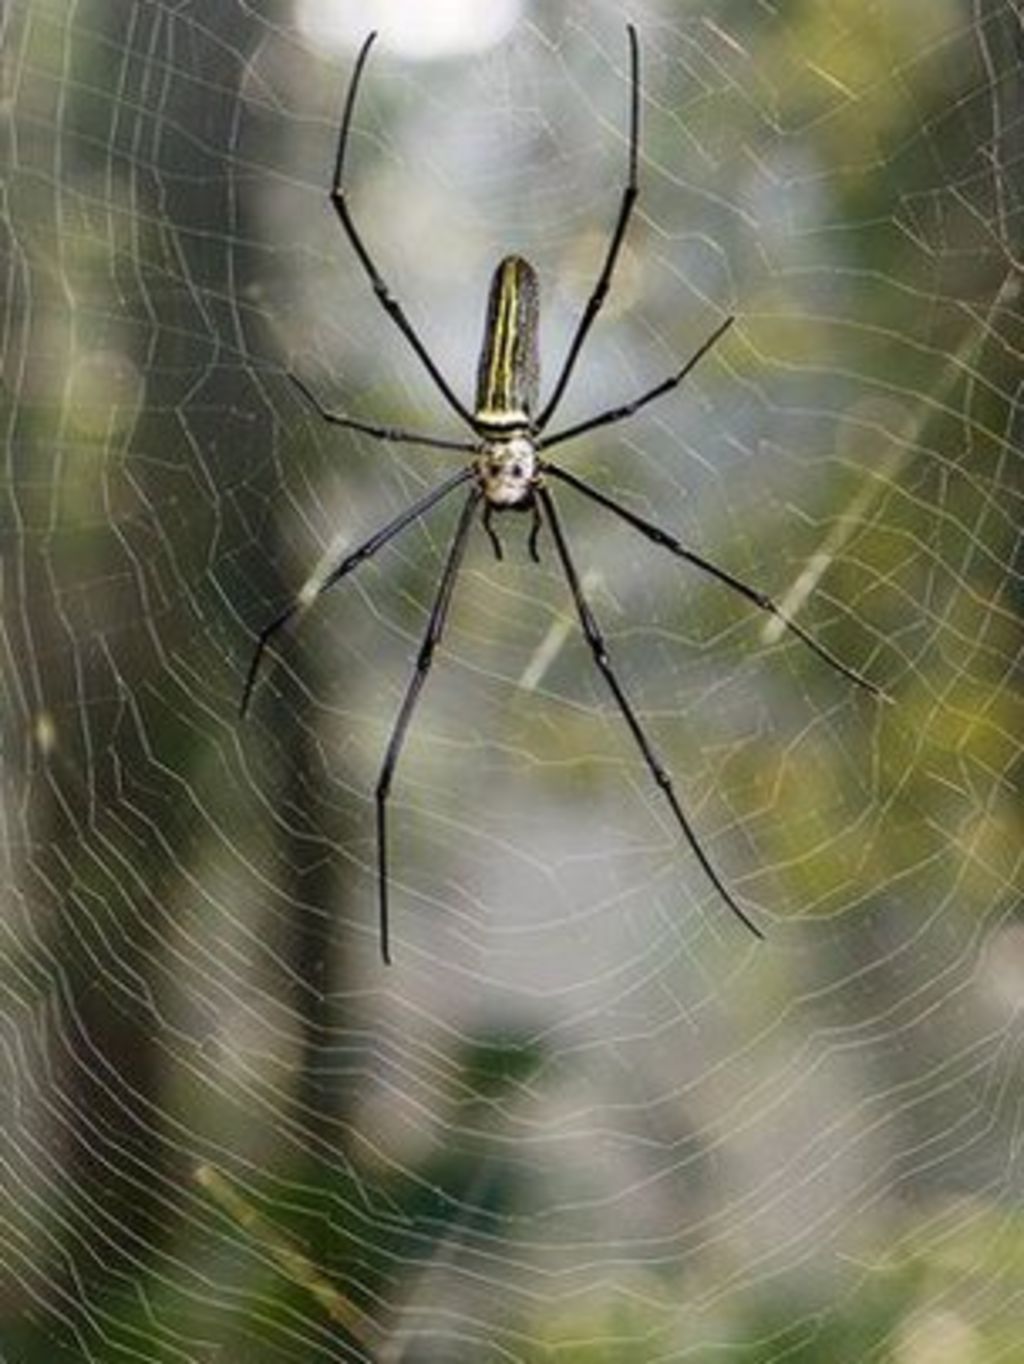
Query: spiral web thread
x=583, y=1115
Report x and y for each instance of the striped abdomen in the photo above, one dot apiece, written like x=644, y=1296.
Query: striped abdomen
x=509, y=374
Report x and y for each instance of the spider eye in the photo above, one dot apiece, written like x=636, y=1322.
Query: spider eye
x=517, y=471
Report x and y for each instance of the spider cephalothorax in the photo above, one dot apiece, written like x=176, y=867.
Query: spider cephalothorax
x=507, y=472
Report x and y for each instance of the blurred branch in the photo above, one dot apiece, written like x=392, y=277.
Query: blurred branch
x=290, y=1260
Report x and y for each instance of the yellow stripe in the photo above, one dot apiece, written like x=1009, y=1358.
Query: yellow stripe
x=503, y=342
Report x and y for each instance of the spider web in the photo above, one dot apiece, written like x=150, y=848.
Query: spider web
x=585, y=1116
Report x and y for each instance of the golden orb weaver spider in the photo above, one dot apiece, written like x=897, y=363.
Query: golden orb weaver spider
x=509, y=472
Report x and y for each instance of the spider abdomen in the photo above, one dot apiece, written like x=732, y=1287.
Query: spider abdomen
x=508, y=376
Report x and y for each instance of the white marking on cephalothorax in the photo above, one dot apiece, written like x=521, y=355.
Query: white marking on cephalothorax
x=507, y=469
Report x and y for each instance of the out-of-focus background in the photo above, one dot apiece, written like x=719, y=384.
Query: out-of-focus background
x=584, y=1116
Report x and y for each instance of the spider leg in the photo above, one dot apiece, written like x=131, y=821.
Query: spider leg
x=535, y=530
x=487, y=518
x=390, y=433
x=435, y=627
x=752, y=594
x=595, y=639
x=617, y=414
x=350, y=561
x=391, y=306
x=629, y=196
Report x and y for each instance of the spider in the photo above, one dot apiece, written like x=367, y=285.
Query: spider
x=509, y=471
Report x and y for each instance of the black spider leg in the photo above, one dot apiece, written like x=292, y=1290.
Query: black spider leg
x=535, y=530
x=390, y=304
x=487, y=519
x=617, y=414
x=350, y=561
x=390, y=433
x=599, y=650
x=629, y=196
x=752, y=594
x=435, y=627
